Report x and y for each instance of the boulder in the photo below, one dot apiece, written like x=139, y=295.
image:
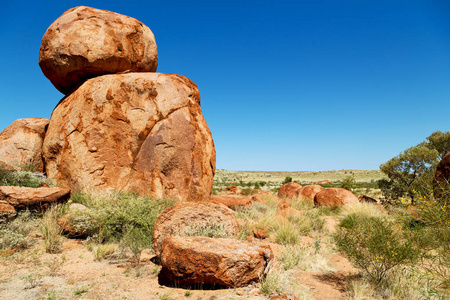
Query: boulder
x=289, y=190
x=187, y=215
x=259, y=233
x=230, y=200
x=135, y=132
x=21, y=143
x=324, y=182
x=309, y=191
x=233, y=189
x=25, y=197
x=66, y=221
x=6, y=210
x=335, y=197
x=365, y=198
x=442, y=177
x=218, y=262
x=86, y=42
x=256, y=198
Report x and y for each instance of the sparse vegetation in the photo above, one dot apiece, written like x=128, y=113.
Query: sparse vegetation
x=14, y=234
x=22, y=178
x=51, y=231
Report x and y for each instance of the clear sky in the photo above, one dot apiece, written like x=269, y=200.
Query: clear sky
x=284, y=85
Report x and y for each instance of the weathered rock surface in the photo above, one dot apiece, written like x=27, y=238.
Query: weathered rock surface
x=289, y=190
x=442, y=177
x=365, y=198
x=21, y=142
x=23, y=197
x=335, y=197
x=6, y=210
x=177, y=219
x=231, y=201
x=222, y=262
x=86, y=42
x=309, y=191
x=324, y=182
x=256, y=198
x=233, y=189
x=137, y=132
x=259, y=233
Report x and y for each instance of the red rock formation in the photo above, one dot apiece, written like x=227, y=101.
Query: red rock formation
x=259, y=233
x=442, y=178
x=324, y=182
x=175, y=220
x=230, y=200
x=233, y=189
x=23, y=197
x=289, y=190
x=256, y=198
x=21, y=142
x=86, y=42
x=137, y=132
x=335, y=197
x=6, y=210
x=365, y=198
x=220, y=262
x=309, y=191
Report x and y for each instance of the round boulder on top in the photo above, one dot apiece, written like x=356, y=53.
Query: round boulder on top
x=289, y=190
x=335, y=197
x=309, y=191
x=86, y=42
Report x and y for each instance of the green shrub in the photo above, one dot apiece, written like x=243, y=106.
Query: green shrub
x=14, y=234
x=375, y=245
x=348, y=182
x=22, y=178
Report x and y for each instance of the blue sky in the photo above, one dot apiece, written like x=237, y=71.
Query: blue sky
x=284, y=85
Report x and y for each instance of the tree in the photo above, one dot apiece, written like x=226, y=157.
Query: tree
x=348, y=182
x=409, y=171
x=287, y=179
x=440, y=141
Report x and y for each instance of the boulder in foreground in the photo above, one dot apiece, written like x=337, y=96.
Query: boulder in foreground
x=25, y=197
x=220, y=262
x=188, y=217
x=86, y=42
x=335, y=197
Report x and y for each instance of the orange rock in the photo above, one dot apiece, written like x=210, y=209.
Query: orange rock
x=6, y=210
x=285, y=210
x=219, y=262
x=183, y=216
x=284, y=296
x=309, y=191
x=335, y=197
x=289, y=190
x=365, y=198
x=324, y=182
x=67, y=225
x=233, y=189
x=257, y=199
x=21, y=142
x=86, y=42
x=230, y=200
x=259, y=233
x=23, y=197
x=136, y=132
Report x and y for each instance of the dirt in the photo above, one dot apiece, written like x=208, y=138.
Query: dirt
x=75, y=274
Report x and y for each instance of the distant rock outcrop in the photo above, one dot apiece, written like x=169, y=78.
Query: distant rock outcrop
x=231, y=201
x=138, y=132
x=86, y=42
x=335, y=197
x=21, y=143
x=219, y=262
x=289, y=190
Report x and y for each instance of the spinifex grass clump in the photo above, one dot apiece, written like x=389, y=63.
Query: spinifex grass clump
x=14, y=234
x=50, y=230
x=112, y=216
x=375, y=245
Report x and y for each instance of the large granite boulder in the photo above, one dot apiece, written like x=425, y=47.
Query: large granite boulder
x=219, y=262
x=442, y=178
x=188, y=217
x=21, y=143
x=137, y=132
x=309, y=191
x=289, y=190
x=335, y=197
x=86, y=42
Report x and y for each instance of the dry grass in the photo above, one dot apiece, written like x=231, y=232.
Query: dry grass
x=50, y=230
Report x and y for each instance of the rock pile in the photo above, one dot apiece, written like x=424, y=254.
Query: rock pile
x=121, y=125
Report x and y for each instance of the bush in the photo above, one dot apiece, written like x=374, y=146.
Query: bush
x=286, y=234
x=375, y=245
x=287, y=180
x=22, y=178
x=111, y=216
x=348, y=182
x=15, y=233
